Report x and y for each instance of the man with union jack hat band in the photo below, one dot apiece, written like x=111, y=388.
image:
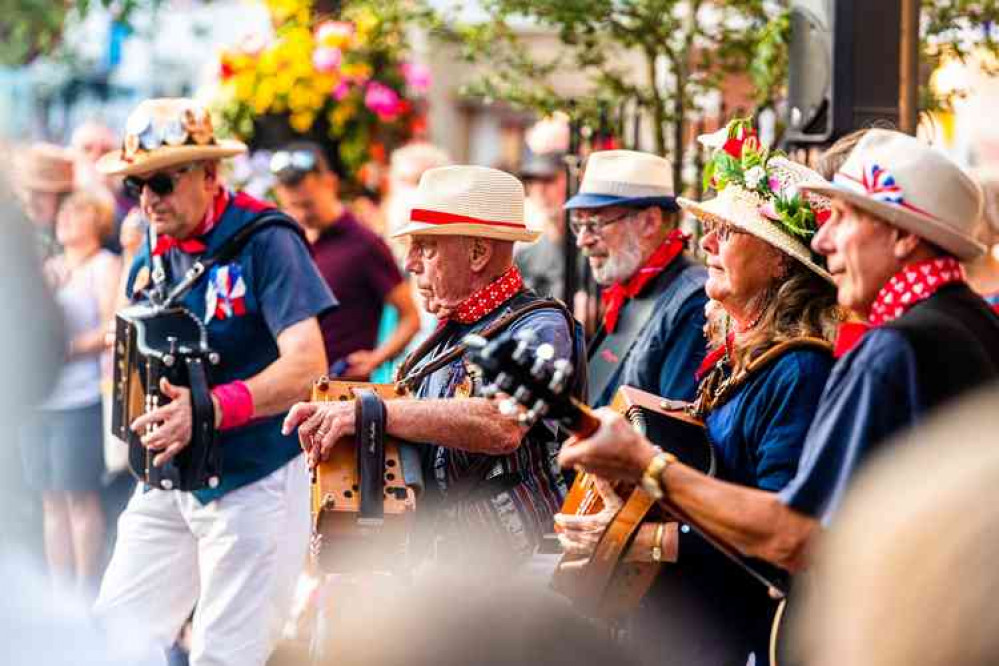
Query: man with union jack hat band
x=903, y=216
x=231, y=552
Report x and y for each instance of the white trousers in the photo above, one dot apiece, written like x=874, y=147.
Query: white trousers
x=233, y=561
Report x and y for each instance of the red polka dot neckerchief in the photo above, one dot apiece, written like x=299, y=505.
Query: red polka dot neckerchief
x=914, y=283
x=488, y=298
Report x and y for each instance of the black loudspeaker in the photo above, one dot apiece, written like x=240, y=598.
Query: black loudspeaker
x=843, y=69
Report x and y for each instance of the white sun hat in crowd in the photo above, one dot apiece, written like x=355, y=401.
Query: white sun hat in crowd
x=908, y=184
x=468, y=200
x=167, y=132
x=625, y=178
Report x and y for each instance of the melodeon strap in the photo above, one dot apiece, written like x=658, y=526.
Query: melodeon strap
x=370, y=436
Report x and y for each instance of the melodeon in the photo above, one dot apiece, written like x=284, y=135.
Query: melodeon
x=605, y=585
x=364, y=494
x=154, y=343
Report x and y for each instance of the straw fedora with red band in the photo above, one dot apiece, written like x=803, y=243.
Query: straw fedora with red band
x=166, y=132
x=469, y=201
x=44, y=167
x=910, y=185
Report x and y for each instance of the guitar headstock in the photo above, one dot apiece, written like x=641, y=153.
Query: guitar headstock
x=537, y=383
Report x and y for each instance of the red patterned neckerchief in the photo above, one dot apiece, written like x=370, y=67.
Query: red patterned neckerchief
x=488, y=298
x=914, y=283
x=615, y=296
x=194, y=244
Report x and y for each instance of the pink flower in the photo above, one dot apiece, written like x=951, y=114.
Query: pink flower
x=342, y=90
x=769, y=211
x=326, y=59
x=417, y=76
x=382, y=100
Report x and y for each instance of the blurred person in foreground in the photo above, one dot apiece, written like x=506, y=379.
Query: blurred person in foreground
x=624, y=218
x=909, y=574
x=356, y=264
x=903, y=216
x=44, y=178
x=89, y=142
x=62, y=445
x=232, y=551
x=495, y=479
x=772, y=318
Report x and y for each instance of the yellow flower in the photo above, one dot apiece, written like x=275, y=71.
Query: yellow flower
x=356, y=71
x=339, y=116
x=300, y=99
x=244, y=82
x=264, y=97
x=302, y=121
x=365, y=21
x=269, y=60
x=284, y=82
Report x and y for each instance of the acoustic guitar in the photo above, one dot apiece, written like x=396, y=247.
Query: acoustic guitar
x=535, y=382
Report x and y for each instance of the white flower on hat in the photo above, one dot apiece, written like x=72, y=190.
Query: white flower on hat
x=754, y=177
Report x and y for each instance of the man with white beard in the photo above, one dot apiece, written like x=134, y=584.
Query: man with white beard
x=624, y=218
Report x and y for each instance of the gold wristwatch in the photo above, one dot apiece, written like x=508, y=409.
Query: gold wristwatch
x=650, y=477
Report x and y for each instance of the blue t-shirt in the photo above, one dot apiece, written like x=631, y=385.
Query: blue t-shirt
x=271, y=285
x=871, y=394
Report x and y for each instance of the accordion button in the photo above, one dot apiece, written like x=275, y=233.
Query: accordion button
x=213, y=482
x=166, y=484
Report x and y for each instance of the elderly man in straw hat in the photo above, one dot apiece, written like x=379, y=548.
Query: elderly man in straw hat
x=43, y=179
x=624, y=219
x=497, y=483
x=231, y=551
x=903, y=216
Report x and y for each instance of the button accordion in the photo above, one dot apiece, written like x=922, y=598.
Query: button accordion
x=153, y=343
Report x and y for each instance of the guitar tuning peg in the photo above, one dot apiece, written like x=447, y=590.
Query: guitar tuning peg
x=508, y=407
x=564, y=366
x=525, y=419
x=473, y=341
x=522, y=395
x=488, y=391
x=539, y=408
x=545, y=352
x=504, y=381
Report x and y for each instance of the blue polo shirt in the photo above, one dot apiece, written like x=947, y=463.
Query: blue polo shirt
x=269, y=286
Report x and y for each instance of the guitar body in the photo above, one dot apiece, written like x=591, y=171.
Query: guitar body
x=605, y=586
x=346, y=541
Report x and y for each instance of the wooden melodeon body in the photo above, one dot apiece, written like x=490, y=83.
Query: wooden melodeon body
x=364, y=494
x=153, y=343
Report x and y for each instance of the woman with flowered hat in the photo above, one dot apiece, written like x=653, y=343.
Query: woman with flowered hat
x=771, y=317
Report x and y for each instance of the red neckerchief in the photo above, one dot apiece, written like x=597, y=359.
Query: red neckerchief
x=194, y=244
x=713, y=357
x=914, y=283
x=488, y=298
x=615, y=296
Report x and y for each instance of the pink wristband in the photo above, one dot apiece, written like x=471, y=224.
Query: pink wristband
x=235, y=402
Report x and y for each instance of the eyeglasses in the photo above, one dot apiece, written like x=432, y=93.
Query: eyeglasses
x=594, y=225
x=292, y=163
x=162, y=184
x=722, y=230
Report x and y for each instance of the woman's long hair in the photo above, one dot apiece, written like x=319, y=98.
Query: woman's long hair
x=797, y=304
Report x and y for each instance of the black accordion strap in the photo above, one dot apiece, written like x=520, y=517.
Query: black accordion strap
x=202, y=409
x=370, y=437
x=229, y=250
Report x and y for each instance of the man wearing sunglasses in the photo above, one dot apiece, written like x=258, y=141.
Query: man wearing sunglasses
x=356, y=264
x=624, y=218
x=234, y=551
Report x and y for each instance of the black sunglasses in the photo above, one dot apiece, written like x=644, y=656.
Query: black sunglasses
x=162, y=184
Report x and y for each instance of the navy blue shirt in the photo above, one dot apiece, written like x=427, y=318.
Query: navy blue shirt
x=871, y=394
x=671, y=346
x=758, y=434
x=271, y=285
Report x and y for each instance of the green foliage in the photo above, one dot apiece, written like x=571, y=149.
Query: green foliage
x=796, y=216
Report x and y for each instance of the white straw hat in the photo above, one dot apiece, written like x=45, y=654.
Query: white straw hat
x=469, y=201
x=913, y=186
x=748, y=210
x=167, y=132
x=625, y=178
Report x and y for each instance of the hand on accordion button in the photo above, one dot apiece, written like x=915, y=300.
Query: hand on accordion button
x=320, y=425
x=167, y=428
